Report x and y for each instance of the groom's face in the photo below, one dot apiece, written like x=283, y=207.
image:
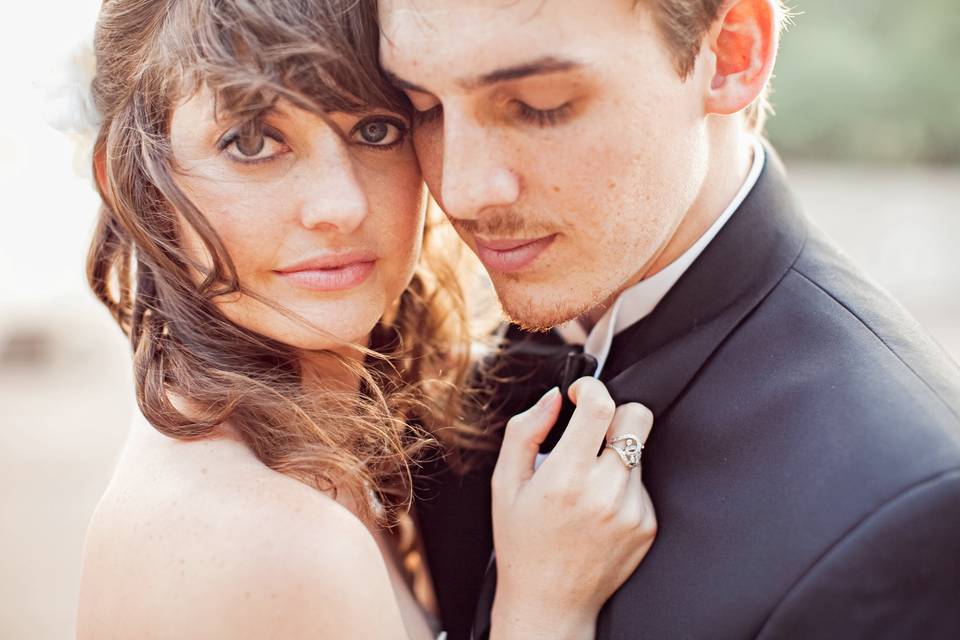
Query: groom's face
x=556, y=134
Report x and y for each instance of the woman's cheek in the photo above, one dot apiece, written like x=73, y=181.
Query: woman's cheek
x=250, y=226
x=404, y=239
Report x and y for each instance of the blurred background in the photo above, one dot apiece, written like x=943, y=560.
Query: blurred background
x=868, y=122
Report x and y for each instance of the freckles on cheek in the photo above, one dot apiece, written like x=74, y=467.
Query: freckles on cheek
x=398, y=204
x=246, y=231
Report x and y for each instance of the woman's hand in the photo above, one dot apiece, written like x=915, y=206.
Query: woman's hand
x=570, y=533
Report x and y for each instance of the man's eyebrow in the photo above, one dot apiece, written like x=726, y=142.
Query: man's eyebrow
x=538, y=67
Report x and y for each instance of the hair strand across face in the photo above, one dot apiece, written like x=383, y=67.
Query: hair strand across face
x=195, y=369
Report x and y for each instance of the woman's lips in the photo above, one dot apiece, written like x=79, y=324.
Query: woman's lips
x=336, y=277
x=510, y=256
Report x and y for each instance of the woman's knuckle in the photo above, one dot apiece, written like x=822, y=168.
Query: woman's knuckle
x=642, y=527
x=565, y=498
x=602, y=507
x=636, y=413
x=600, y=408
x=647, y=527
x=628, y=517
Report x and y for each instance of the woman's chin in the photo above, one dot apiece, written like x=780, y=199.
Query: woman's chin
x=328, y=338
x=341, y=334
x=328, y=326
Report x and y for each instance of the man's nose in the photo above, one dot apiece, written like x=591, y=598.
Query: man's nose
x=333, y=197
x=476, y=173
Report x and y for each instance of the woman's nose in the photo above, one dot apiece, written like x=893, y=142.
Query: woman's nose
x=333, y=195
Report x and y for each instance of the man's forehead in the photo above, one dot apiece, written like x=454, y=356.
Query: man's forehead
x=436, y=15
x=469, y=39
x=408, y=25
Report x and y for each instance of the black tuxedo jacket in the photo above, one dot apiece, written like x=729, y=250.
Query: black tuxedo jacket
x=804, y=462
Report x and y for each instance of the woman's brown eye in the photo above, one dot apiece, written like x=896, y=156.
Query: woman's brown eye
x=253, y=143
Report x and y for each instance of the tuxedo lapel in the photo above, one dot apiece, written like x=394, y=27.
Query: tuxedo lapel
x=653, y=360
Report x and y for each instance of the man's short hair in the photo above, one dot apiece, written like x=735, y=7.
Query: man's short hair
x=683, y=25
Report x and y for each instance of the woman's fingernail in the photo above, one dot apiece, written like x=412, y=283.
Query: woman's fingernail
x=548, y=397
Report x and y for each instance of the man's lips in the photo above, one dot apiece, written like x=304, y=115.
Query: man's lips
x=334, y=272
x=511, y=254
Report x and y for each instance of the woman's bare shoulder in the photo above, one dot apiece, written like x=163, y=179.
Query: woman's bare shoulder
x=202, y=534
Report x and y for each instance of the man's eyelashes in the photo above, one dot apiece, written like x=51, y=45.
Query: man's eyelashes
x=542, y=118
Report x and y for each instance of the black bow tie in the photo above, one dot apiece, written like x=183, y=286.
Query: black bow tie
x=528, y=368
x=576, y=365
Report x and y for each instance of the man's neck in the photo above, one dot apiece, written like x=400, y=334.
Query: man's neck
x=729, y=165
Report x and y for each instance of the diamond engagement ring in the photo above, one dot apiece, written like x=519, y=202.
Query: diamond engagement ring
x=629, y=448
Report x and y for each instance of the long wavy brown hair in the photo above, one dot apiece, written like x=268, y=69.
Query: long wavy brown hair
x=317, y=55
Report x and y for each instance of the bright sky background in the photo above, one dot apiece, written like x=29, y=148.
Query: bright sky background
x=48, y=205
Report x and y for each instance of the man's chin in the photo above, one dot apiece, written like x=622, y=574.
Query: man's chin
x=539, y=314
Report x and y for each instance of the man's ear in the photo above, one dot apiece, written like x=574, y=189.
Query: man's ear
x=744, y=43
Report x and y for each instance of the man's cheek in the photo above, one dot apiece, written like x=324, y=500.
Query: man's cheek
x=428, y=144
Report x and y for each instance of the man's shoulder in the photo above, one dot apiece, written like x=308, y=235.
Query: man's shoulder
x=835, y=381
x=848, y=388
x=821, y=438
x=865, y=342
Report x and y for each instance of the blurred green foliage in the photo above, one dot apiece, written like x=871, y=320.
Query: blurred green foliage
x=869, y=80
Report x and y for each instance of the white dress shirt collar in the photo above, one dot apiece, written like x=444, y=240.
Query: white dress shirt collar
x=636, y=302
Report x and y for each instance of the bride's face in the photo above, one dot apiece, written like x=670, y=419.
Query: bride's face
x=325, y=223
